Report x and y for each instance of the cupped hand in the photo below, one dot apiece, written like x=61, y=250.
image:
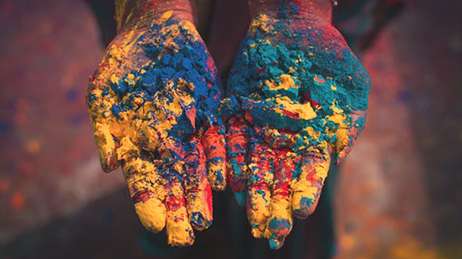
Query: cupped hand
x=297, y=100
x=153, y=104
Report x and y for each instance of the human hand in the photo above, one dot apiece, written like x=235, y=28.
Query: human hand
x=297, y=101
x=153, y=104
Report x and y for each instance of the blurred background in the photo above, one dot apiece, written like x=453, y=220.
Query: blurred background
x=398, y=195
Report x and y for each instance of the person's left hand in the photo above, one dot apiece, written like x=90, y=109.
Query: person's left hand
x=297, y=99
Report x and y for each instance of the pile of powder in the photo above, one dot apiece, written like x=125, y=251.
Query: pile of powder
x=296, y=83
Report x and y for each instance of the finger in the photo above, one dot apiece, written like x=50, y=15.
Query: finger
x=347, y=138
x=107, y=148
x=307, y=189
x=259, y=195
x=280, y=221
x=213, y=142
x=236, y=139
x=179, y=230
x=146, y=192
x=197, y=187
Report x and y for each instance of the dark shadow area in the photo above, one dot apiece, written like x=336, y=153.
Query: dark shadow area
x=109, y=228
x=104, y=13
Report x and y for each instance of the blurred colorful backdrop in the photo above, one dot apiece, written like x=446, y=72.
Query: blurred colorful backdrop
x=398, y=195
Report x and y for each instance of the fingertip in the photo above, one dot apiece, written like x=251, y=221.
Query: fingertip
x=152, y=214
x=304, y=198
x=280, y=221
x=302, y=206
x=259, y=195
x=279, y=227
x=107, y=153
x=199, y=221
x=275, y=243
x=197, y=190
x=307, y=189
x=178, y=226
x=339, y=157
x=257, y=231
x=179, y=230
x=345, y=143
x=146, y=195
x=217, y=183
x=108, y=162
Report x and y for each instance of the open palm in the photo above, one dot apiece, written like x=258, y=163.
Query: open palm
x=153, y=104
x=297, y=100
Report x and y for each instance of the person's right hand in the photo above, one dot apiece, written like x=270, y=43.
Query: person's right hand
x=153, y=104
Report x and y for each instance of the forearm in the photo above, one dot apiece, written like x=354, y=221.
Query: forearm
x=141, y=12
x=316, y=9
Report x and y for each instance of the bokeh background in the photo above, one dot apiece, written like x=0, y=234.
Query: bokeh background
x=398, y=195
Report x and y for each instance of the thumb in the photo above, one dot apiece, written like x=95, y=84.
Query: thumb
x=347, y=139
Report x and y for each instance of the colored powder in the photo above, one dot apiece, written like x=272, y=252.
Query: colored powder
x=292, y=93
x=326, y=82
x=154, y=117
x=179, y=72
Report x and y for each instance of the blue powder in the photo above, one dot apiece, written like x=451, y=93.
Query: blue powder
x=116, y=110
x=120, y=88
x=185, y=60
x=260, y=61
x=188, y=62
x=198, y=219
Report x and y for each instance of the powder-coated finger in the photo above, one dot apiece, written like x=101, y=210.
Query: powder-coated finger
x=280, y=221
x=179, y=230
x=213, y=142
x=259, y=195
x=307, y=189
x=147, y=193
x=237, y=140
x=107, y=148
x=197, y=187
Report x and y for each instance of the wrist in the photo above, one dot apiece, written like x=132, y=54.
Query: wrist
x=140, y=13
x=316, y=10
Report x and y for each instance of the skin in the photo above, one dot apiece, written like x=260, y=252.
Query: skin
x=281, y=137
x=170, y=170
